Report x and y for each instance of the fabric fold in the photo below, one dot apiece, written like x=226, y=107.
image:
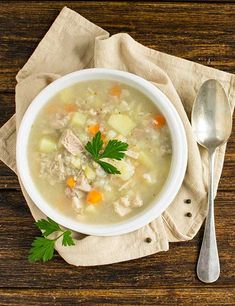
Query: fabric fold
x=74, y=43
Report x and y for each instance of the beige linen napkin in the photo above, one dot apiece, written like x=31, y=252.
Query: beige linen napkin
x=73, y=43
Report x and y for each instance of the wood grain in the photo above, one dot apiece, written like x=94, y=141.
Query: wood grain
x=177, y=265
x=203, y=297
x=200, y=31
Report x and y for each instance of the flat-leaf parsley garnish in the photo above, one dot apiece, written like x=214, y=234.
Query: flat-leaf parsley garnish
x=43, y=248
x=114, y=149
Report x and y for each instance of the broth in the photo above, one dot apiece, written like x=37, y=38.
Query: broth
x=63, y=170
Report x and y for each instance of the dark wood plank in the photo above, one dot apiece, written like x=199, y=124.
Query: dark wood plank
x=202, y=32
x=203, y=297
x=7, y=106
x=196, y=30
x=167, y=270
x=8, y=179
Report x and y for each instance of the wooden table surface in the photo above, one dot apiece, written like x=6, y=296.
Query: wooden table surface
x=199, y=31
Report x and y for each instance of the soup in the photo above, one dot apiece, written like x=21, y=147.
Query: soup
x=99, y=151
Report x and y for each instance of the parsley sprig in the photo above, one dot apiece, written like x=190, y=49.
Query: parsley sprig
x=43, y=248
x=114, y=150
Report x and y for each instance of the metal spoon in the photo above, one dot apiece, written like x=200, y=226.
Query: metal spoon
x=212, y=125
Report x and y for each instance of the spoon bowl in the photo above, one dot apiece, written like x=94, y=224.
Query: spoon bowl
x=212, y=126
x=211, y=115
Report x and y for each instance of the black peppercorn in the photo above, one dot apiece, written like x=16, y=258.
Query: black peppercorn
x=189, y=214
x=188, y=201
x=148, y=240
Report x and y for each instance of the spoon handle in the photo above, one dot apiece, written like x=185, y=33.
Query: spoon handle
x=208, y=266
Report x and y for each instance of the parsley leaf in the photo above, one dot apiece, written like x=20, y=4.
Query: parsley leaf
x=43, y=248
x=67, y=239
x=95, y=145
x=47, y=226
x=114, y=149
x=108, y=167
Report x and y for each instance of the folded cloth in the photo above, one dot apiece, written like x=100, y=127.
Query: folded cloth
x=73, y=43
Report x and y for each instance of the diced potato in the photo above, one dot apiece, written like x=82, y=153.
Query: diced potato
x=78, y=119
x=47, y=145
x=110, y=196
x=90, y=209
x=90, y=174
x=145, y=160
x=76, y=162
x=121, y=123
x=127, y=170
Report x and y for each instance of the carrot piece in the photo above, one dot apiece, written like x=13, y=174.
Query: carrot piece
x=93, y=129
x=71, y=182
x=70, y=108
x=103, y=137
x=94, y=197
x=159, y=121
x=116, y=91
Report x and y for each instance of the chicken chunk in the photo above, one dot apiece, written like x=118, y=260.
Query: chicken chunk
x=149, y=178
x=84, y=185
x=71, y=142
x=125, y=201
x=137, y=201
x=131, y=202
x=125, y=205
x=77, y=205
x=121, y=210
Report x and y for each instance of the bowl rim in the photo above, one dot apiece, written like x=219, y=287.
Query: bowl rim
x=178, y=163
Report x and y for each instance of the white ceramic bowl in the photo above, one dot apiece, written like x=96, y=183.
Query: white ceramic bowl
x=178, y=164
